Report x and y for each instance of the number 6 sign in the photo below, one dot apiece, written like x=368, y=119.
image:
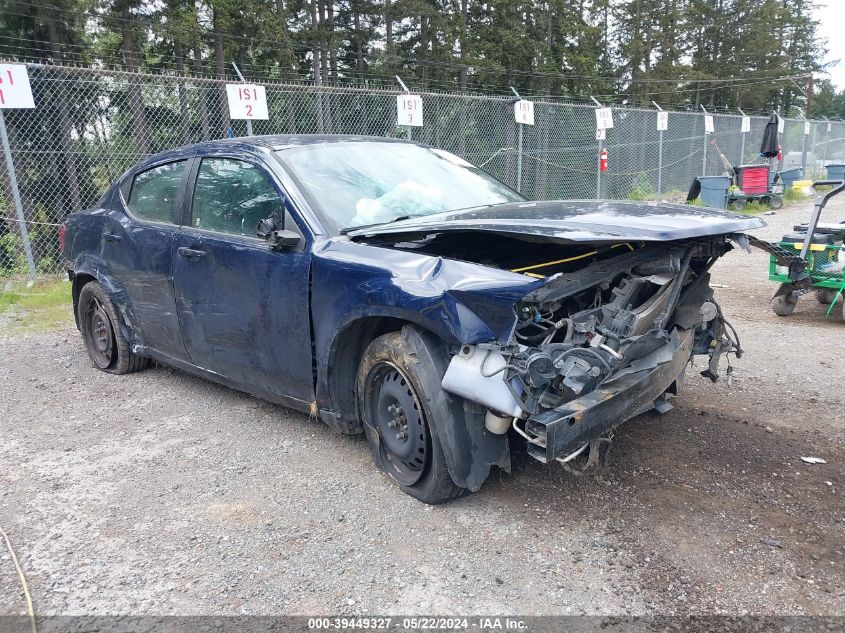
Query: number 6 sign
x=409, y=110
x=247, y=101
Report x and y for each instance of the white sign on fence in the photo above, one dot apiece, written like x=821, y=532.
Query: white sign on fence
x=829, y=127
x=746, y=124
x=601, y=135
x=14, y=87
x=780, y=125
x=708, y=124
x=806, y=128
x=662, y=121
x=604, y=118
x=409, y=110
x=247, y=101
x=523, y=112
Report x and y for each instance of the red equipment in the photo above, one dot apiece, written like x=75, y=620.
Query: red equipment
x=603, y=159
x=753, y=179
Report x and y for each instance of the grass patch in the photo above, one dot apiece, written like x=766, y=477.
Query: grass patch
x=754, y=207
x=794, y=195
x=45, y=306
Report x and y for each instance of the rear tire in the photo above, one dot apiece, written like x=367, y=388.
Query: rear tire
x=100, y=326
x=396, y=415
x=825, y=295
x=784, y=305
x=775, y=202
x=738, y=205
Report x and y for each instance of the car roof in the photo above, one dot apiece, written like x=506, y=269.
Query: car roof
x=252, y=143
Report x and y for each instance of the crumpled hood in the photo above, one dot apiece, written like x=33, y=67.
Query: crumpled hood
x=575, y=221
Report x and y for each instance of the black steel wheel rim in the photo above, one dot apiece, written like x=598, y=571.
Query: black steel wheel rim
x=395, y=412
x=100, y=339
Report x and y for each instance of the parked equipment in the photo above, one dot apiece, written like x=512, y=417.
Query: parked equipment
x=819, y=251
x=752, y=184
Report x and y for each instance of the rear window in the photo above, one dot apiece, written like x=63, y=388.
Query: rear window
x=155, y=192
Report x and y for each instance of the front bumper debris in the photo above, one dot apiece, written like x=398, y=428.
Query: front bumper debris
x=628, y=393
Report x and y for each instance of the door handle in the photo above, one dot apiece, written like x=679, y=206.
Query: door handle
x=191, y=253
x=111, y=237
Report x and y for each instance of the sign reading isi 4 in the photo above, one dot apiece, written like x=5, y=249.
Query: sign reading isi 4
x=409, y=110
x=523, y=112
x=14, y=87
x=247, y=101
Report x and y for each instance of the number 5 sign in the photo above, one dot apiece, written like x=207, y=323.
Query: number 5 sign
x=409, y=110
x=14, y=87
x=247, y=101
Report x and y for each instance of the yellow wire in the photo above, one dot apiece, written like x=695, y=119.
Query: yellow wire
x=30, y=610
x=562, y=261
x=557, y=261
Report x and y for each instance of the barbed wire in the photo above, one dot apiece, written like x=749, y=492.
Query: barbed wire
x=60, y=172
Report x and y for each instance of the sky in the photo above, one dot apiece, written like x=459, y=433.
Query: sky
x=831, y=15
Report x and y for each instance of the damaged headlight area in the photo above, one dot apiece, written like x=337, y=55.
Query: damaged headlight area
x=598, y=345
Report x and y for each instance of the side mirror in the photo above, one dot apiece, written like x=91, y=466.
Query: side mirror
x=283, y=239
x=272, y=230
x=267, y=226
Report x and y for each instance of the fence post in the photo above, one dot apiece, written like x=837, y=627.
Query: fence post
x=241, y=77
x=405, y=88
x=742, y=136
x=518, y=150
x=814, y=161
x=704, y=159
x=659, y=154
x=598, y=171
x=804, y=136
x=16, y=195
x=826, y=142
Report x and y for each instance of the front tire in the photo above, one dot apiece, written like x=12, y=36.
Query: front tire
x=100, y=326
x=784, y=305
x=396, y=415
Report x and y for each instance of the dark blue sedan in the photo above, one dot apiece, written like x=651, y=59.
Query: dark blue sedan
x=396, y=290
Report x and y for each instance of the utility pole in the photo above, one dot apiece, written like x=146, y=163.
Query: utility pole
x=809, y=96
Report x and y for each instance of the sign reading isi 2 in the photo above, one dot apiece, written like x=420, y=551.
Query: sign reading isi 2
x=15, y=91
x=247, y=101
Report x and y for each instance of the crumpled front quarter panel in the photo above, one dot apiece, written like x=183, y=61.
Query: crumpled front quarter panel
x=461, y=302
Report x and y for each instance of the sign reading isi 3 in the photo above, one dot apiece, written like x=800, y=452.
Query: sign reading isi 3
x=409, y=110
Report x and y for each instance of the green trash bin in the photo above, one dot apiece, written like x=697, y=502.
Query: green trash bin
x=714, y=191
x=836, y=172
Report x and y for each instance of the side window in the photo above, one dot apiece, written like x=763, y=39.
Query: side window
x=155, y=192
x=231, y=196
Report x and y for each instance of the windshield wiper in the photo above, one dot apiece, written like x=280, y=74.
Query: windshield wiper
x=349, y=229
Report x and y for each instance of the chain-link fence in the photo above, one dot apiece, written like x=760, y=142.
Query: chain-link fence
x=89, y=125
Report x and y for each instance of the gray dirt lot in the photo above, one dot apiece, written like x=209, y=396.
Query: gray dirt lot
x=159, y=493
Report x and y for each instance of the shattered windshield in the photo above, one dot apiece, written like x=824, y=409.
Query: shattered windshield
x=360, y=183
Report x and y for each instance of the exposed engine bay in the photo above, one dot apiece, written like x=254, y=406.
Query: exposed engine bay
x=599, y=343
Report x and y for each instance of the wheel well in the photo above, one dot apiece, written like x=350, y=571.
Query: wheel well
x=343, y=366
x=78, y=282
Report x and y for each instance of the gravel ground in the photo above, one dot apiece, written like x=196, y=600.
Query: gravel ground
x=160, y=493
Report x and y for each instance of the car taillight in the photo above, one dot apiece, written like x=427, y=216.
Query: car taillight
x=62, y=231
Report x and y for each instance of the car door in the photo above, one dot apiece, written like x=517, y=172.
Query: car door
x=137, y=244
x=243, y=307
